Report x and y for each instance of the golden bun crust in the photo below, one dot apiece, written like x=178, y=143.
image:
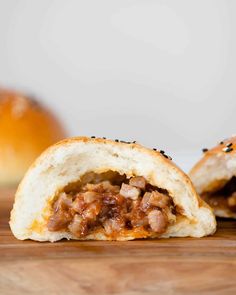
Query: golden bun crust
x=26, y=129
x=216, y=151
x=68, y=160
x=215, y=169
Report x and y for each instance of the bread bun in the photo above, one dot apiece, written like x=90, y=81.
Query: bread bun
x=68, y=161
x=213, y=171
x=26, y=129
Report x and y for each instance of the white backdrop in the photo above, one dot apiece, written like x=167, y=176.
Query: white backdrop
x=160, y=72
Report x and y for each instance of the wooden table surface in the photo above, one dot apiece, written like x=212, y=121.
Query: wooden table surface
x=167, y=266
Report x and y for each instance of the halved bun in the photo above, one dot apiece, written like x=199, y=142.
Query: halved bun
x=214, y=170
x=67, y=161
x=26, y=129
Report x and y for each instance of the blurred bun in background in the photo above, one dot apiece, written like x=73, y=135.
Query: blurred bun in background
x=26, y=129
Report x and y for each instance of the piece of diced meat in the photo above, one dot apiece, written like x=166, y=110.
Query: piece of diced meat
x=92, y=210
x=155, y=199
x=129, y=191
x=64, y=202
x=89, y=197
x=79, y=204
x=159, y=200
x=59, y=220
x=157, y=221
x=113, y=225
x=113, y=199
x=138, y=181
x=139, y=218
x=78, y=226
x=145, y=204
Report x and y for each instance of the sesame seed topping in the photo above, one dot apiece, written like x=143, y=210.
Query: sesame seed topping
x=165, y=155
x=204, y=150
x=227, y=149
x=116, y=140
x=229, y=144
x=221, y=142
x=134, y=141
x=93, y=136
x=154, y=149
x=104, y=137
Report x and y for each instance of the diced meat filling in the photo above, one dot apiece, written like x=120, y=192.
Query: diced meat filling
x=129, y=191
x=138, y=181
x=225, y=198
x=157, y=220
x=115, y=208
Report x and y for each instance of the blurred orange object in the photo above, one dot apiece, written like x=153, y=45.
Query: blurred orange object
x=26, y=129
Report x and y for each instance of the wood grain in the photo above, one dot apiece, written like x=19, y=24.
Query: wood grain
x=172, y=266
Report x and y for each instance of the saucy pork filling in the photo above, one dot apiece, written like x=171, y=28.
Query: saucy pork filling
x=114, y=204
x=224, y=198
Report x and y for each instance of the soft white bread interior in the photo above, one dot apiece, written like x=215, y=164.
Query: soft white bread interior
x=70, y=159
x=214, y=170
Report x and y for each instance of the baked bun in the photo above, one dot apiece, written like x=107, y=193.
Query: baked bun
x=86, y=188
x=214, y=177
x=26, y=129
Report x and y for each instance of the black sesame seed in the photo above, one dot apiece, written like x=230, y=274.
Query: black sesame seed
x=104, y=137
x=221, y=142
x=229, y=144
x=116, y=140
x=170, y=158
x=204, y=150
x=162, y=152
x=123, y=141
x=93, y=136
x=134, y=141
x=227, y=149
x=154, y=149
x=165, y=156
